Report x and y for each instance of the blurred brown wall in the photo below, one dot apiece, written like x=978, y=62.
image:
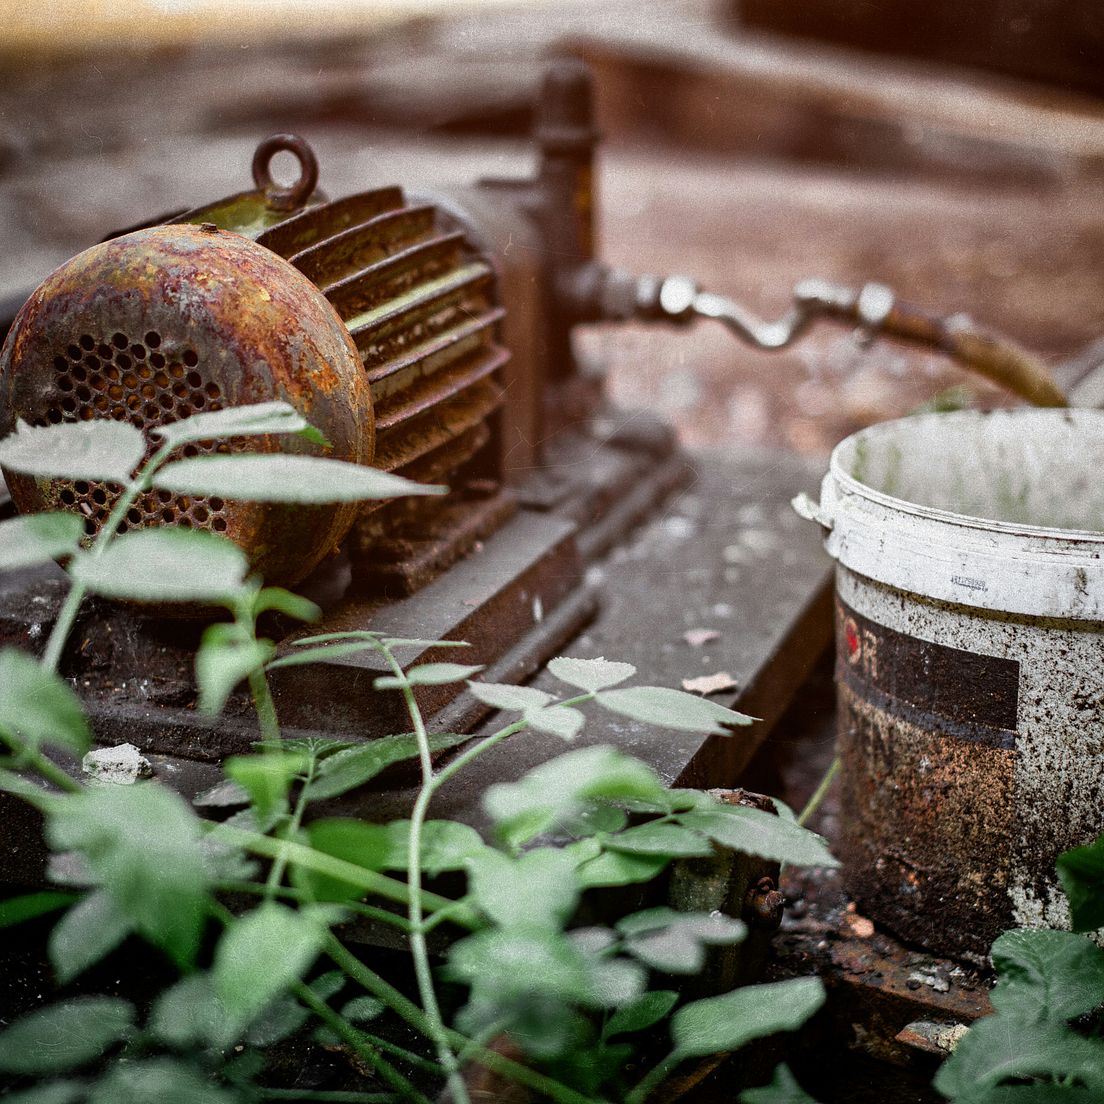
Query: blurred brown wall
x=1058, y=41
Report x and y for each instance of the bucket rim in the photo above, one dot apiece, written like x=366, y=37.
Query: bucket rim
x=849, y=484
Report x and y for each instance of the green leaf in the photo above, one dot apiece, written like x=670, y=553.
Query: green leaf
x=56, y=1092
x=659, y=839
x=259, y=955
x=15, y=910
x=363, y=1009
x=544, y=1026
x=428, y=674
x=328, y=985
x=446, y=845
x=38, y=707
x=345, y=770
x=756, y=832
x=1038, y=1093
x=783, y=1089
x=364, y=635
x=238, y=421
x=222, y=795
x=590, y=1068
x=266, y=778
x=539, y=708
x=1047, y=975
x=164, y=565
x=1001, y=1047
x=283, y=601
x=30, y=789
x=243, y=1069
x=674, y=801
x=557, y=791
x=97, y=449
x=281, y=1018
x=354, y=841
x=189, y=1014
x=225, y=658
x=536, y=889
x=660, y=705
x=648, y=1009
x=726, y=1023
x=556, y=720
x=414, y=642
x=224, y=862
x=590, y=674
x=510, y=962
x=158, y=1081
x=92, y=928
x=64, y=1036
x=317, y=746
x=596, y=819
x=38, y=538
x=1081, y=872
x=613, y=869
x=324, y=653
x=504, y=696
x=675, y=942
x=277, y=477
x=614, y=981
x=143, y=844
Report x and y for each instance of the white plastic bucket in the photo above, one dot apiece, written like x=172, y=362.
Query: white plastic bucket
x=970, y=611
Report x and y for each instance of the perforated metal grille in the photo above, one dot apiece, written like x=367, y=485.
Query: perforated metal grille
x=142, y=381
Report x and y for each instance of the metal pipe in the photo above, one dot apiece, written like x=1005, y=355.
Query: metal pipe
x=873, y=307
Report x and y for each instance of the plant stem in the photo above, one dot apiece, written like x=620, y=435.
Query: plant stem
x=462, y=760
x=368, y=880
x=370, y=981
x=418, y=949
x=443, y=915
x=245, y=620
x=44, y=766
x=323, y=1095
x=350, y=1035
x=63, y=625
x=67, y=615
x=644, y=1087
x=279, y=865
x=265, y=706
x=416, y=1060
x=371, y=912
x=813, y=803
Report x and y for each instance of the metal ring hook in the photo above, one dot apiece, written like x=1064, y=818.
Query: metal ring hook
x=296, y=194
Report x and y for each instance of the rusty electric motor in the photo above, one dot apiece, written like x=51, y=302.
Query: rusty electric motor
x=368, y=315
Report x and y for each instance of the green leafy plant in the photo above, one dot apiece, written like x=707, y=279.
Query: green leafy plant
x=579, y=1002
x=1043, y=1043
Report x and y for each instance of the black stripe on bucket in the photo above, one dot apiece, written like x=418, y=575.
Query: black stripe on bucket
x=949, y=690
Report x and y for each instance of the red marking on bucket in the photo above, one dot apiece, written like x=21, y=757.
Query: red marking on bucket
x=851, y=637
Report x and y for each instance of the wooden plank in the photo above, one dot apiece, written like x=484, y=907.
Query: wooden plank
x=727, y=553
x=1061, y=41
x=754, y=90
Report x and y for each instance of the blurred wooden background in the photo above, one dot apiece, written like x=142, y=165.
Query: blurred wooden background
x=743, y=156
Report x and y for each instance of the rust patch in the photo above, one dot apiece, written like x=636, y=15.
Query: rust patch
x=166, y=322
x=926, y=823
x=877, y=985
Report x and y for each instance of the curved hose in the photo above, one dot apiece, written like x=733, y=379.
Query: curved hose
x=873, y=307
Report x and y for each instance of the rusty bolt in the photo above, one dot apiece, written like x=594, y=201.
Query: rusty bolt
x=763, y=905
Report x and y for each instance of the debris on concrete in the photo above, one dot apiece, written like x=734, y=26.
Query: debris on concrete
x=121, y=765
x=710, y=684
